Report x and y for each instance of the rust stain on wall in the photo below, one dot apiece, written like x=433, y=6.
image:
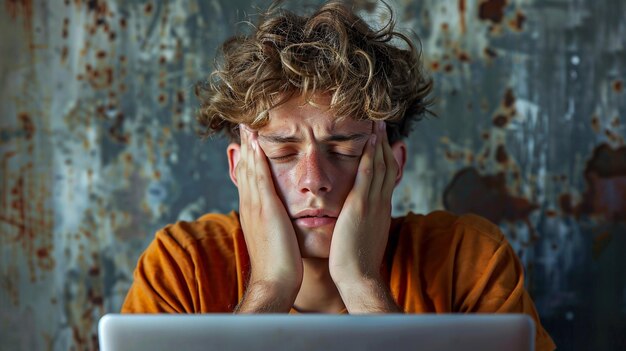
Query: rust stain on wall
x=615, y=123
x=506, y=112
x=28, y=220
x=509, y=98
x=116, y=131
x=500, y=120
x=600, y=243
x=99, y=8
x=24, y=8
x=490, y=53
x=501, y=155
x=492, y=10
x=462, y=9
x=595, y=123
x=517, y=22
x=148, y=7
x=487, y=196
x=605, y=196
x=99, y=78
x=463, y=56
x=27, y=125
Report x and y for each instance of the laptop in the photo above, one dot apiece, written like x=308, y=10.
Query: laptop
x=429, y=332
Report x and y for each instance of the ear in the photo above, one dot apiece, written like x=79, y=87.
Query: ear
x=233, y=152
x=399, y=153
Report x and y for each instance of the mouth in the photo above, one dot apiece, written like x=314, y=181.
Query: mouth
x=314, y=222
x=313, y=218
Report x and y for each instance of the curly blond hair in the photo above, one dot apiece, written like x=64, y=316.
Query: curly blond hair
x=333, y=51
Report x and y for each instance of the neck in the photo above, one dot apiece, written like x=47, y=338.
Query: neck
x=318, y=292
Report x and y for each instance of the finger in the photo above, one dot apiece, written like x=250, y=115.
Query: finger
x=263, y=177
x=240, y=169
x=392, y=166
x=248, y=194
x=252, y=173
x=380, y=168
x=243, y=188
x=365, y=171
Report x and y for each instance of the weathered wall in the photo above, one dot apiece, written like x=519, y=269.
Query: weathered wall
x=97, y=149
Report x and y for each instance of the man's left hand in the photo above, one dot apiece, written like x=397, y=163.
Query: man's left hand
x=362, y=229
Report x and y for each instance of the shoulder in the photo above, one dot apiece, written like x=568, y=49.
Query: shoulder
x=212, y=239
x=447, y=228
x=188, y=267
x=446, y=256
x=442, y=241
x=209, y=228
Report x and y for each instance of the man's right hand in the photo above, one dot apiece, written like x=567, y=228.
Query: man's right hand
x=276, y=264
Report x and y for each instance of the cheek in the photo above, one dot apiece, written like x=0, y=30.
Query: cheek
x=283, y=180
x=346, y=179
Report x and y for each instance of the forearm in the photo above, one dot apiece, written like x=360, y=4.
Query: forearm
x=266, y=297
x=367, y=295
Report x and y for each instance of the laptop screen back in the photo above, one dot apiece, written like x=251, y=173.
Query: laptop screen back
x=316, y=332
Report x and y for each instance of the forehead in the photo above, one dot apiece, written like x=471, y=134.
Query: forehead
x=297, y=115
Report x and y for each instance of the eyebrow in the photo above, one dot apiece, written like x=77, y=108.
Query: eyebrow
x=285, y=139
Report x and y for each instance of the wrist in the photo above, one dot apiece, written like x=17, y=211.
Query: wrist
x=367, y=294
x=351, y=275
x=264, y=296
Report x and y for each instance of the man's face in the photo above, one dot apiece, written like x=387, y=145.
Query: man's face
x=314, y=161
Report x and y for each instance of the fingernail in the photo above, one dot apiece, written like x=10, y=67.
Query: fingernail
x=373, y=139
x=381, y=125
x=253, y=144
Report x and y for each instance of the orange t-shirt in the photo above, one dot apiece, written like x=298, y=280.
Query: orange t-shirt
x=438, y=263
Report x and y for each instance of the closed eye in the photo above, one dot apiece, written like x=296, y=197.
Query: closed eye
x=344, y=156
x=282, y=158
x=337, y=153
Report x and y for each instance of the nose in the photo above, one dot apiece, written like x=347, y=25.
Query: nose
x=313, y=174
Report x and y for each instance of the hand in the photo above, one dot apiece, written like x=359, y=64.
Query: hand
x=362, y=229
x=276, y=264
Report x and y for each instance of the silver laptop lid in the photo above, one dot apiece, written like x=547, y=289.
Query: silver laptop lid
x=429, y=332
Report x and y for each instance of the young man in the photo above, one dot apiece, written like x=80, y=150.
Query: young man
x=316, y=108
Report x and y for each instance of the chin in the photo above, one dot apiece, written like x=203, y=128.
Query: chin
x=314, y=243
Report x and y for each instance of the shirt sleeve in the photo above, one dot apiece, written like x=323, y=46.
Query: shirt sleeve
x=163, y=279
x=498, y=286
